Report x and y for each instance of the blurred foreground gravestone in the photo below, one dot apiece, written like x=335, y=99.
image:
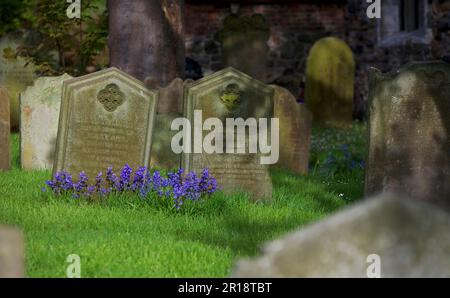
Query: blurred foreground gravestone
x=330, y=82
x=5, y=131
x=11, y=253
x=295, y=131
x=409, y=132
x=106, y=119
x=229, y=94
x=402, y=237
x=39, y=115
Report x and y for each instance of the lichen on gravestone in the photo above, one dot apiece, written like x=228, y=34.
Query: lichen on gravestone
x=330, y=77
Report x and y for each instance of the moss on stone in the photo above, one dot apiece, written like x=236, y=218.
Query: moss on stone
x=330, y=76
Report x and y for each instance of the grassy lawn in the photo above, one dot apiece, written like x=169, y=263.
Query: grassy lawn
x=126, y=237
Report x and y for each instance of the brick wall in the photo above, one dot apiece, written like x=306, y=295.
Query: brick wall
x=296, y=26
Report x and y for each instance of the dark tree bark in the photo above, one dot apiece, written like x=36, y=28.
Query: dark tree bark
x=146, y=38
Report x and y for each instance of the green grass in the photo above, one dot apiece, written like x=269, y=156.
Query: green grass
x=128, y=238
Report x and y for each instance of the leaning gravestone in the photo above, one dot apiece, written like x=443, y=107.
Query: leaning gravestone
x=409, y=129
x=5, y=159
x=405, y=238
x=229, y=94
x=39, y=110
x=106, y=119
x=295, y=131
x=11, y=253
x=330, y=75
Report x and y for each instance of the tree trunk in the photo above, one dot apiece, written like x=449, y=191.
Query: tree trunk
x=146, y=38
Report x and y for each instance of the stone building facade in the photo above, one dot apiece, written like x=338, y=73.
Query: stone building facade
x=407, y=30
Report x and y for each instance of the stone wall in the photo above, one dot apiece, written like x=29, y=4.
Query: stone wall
x=294, y=28
x=296, y=25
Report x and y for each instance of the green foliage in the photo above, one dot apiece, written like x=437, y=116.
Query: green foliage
x=11, y=14
x=55, y=43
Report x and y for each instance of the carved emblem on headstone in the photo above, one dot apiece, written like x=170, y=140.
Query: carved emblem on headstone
x=111, y=97
x=231, y=96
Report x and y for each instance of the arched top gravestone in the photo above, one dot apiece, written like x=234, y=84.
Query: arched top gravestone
x=106, y=119
x=409, y=127
x=16, y=73
x=295, y=131
x=330, y=76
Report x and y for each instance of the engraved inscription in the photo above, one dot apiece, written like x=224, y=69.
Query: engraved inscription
x=103, y=145
x=233, y=170
x=111, y=97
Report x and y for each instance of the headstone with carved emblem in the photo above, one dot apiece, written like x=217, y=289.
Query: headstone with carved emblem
x=106, y=119
x=229, y=94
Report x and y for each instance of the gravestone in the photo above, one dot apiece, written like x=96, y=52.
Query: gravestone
x=230, y=94
x=39, y=110
x=11, y=253
x=162, y=153
x=170, y=97
x=330, y=76
x=409, y=129
x=16, y=74
x=295, y=131
x=106, y=119
x=170, y=107
x=244, y=44
x=5, y=151
x=406, y=238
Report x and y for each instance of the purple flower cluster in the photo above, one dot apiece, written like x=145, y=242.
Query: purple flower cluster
x=177, y=185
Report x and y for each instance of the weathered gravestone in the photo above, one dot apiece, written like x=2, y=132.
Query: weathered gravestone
x=162, y=153
x=229, y=94
x=170, y=97
x=5, y=159
x=11, y=253
x=39, y=110
x=16, y=73
x=106, y=119
x=411, y=239
x=409, y=129
x=170, y=107
x=244, y=44
x=295, y=131
x=330, y=75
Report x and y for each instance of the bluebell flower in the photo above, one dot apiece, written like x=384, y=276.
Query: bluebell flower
x=177, y=185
